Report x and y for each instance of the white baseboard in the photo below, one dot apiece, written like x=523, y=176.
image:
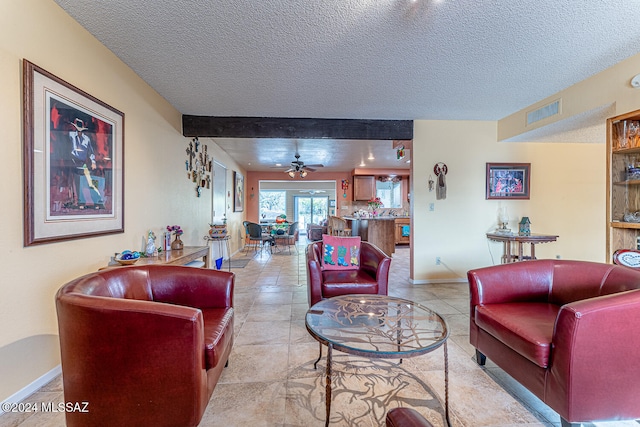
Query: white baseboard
x=429, y=281
x=27, y=391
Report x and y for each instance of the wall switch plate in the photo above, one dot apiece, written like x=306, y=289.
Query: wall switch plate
x=432, y=207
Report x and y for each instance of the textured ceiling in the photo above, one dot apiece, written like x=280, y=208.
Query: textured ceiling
x=366, y=59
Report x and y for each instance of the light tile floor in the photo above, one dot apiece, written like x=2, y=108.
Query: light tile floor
x=270, y=380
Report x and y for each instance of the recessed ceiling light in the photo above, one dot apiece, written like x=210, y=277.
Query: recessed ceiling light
x=278, y=165
x=371, y=157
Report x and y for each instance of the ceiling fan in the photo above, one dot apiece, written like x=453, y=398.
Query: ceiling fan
x=298, y=166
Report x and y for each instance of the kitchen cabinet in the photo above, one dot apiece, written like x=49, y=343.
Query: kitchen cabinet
x=623, y=182
x=364, y=187
x=402, y=238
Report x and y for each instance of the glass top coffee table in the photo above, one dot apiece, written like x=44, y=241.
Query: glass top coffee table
x=376, y=326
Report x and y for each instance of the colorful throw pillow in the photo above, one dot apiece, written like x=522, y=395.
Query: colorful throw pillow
x=340, y=253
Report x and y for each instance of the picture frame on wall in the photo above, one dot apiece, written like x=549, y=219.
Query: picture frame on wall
x=508, y=181
x=73, y=150
x=238, y=192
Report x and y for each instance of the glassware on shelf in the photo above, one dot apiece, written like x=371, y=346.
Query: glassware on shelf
x=632, y=217
x=621, y=133
x=633, y=133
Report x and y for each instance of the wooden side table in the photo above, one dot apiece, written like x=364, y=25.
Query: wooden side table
x=176, y=257
x=520, y=240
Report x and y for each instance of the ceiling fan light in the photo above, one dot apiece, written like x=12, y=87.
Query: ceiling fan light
x=292, y=174
x=303, y=173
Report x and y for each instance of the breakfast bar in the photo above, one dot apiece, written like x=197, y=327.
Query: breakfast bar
x=379, y=231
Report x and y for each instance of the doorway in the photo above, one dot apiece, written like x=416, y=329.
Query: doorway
x=219, y=200
x=218, y=206
x=310, y=210
x=304, y=201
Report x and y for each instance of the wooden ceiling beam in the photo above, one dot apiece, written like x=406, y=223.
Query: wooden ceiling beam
x=295, y=128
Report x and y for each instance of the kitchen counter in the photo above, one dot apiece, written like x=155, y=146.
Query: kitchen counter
x=378, y=230
x=385, y=217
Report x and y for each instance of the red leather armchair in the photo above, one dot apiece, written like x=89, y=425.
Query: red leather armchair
x=405, y=417
x=144, y=345
x=371, y=278
x=566, y=330
x=315, y=231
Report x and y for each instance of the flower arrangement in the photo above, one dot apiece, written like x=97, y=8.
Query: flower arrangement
x=175, y=229
x=375, y=203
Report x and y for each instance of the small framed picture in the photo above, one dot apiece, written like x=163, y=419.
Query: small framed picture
x=508, y=181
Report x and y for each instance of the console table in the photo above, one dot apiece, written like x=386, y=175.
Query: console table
x=176, y=257
x=520, y=239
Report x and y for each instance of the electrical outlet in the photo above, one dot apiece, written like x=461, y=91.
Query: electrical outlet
x=437, y=260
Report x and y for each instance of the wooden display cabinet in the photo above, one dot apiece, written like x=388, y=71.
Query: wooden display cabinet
x=623, y=182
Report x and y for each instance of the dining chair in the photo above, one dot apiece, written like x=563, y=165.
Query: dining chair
x=288, y=239
x=258, y=238
x=339, y=226
x=247, y=243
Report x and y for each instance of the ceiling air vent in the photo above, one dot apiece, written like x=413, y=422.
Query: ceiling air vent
x=543, y=112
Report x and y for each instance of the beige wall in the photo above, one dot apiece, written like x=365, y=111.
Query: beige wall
x=567, y=198
x=157, y=191
x=567, y=181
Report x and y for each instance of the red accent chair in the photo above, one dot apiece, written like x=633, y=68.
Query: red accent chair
x=566, y=330
x=405, y=417
x=371, y=278
x=144, y=345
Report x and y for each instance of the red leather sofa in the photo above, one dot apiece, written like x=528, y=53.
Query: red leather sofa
x=144, y=345
x=569, y=331
x=371, y=278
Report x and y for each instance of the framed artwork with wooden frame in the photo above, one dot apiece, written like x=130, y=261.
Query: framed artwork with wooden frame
x=238, y=192
x=73, y=161
x=508, y=181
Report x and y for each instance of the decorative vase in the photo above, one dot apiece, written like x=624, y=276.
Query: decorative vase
x=177, y=243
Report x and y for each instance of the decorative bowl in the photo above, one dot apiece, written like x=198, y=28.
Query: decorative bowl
x=217, y=231
x=127, y=258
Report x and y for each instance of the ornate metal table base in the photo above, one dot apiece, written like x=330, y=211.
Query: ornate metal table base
x=423, y=332
x=328, y=373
